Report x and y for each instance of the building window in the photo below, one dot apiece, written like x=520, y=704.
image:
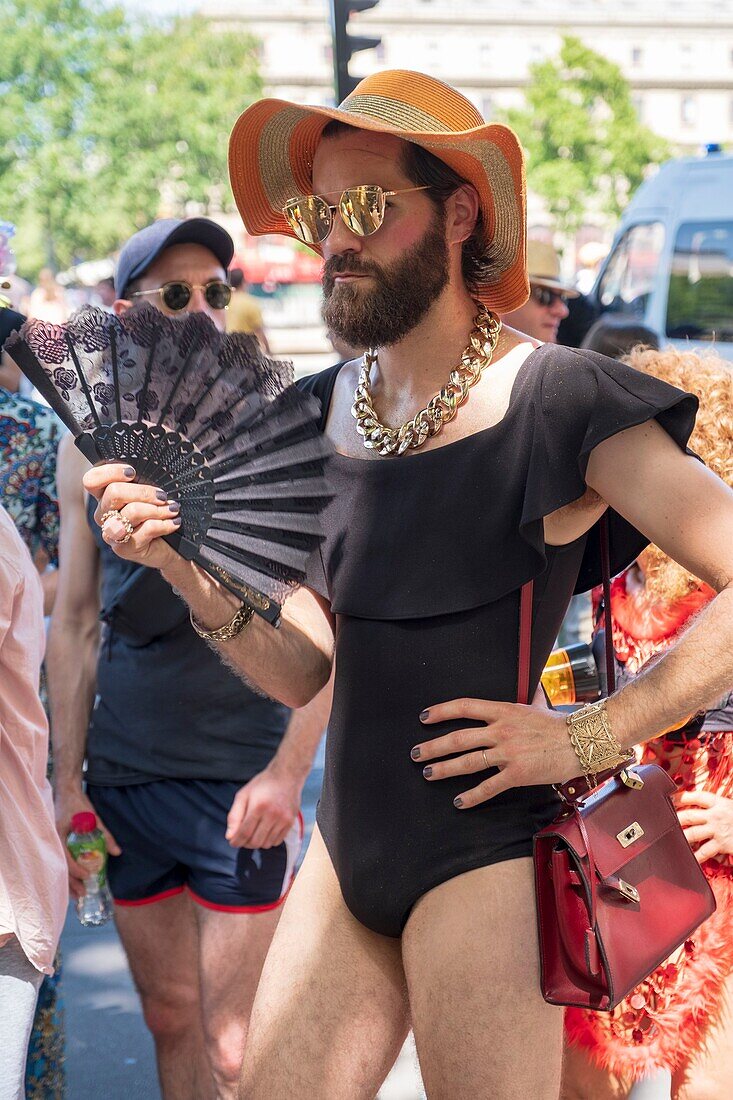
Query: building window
x=688, y=110
x=487, y=108
x=381, y=52
x=638, y=101
x=636, y=55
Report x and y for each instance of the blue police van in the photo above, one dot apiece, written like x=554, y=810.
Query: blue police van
x=670, y=266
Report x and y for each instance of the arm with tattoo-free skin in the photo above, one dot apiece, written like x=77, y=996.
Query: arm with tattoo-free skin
x=291, y=663
x=264, y=809
x=71, y=656
x=688, y=512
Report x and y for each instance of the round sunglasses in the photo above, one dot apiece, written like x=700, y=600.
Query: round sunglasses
x=545, y=296
x=176, y=294
x=361, y=209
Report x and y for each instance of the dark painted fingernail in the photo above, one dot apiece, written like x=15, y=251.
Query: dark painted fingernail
x=415, y=753
x=424, y=714
x=458, y=802
x=177, y=521
x=427, y=772
x=128, y=471
x=161, y=494
x=174, y=506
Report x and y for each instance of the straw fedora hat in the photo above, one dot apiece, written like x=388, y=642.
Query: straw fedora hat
x=273, y=142
x=543, y=267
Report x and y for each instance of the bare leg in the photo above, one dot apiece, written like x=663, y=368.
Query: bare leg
x=472, y=966
x=161, y=942
x=582, y=1079
x=710, y=1072
x=232, y=949
x=330, y=1014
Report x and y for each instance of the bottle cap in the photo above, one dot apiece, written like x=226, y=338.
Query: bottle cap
x=83, y=823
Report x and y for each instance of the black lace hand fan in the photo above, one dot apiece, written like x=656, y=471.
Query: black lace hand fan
x=207, y=418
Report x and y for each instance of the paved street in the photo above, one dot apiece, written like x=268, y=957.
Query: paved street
x=109, y=1052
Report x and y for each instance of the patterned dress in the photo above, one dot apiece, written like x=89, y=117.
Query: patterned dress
x=29, y=438
x=664, y=1022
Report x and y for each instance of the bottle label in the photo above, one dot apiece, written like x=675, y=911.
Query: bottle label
x=91, y=862
x=91, y=855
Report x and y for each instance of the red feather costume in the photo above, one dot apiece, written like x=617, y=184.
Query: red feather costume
x=664, y=1021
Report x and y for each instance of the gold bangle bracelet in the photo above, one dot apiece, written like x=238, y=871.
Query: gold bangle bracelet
x=591, y=737
x=241, y=617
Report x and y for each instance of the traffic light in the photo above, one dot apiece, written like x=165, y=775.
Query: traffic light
x=345, y=44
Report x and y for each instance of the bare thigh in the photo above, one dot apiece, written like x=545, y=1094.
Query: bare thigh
x=161, y=942
x=330, y=1013
x=232, y=950
x=471, y=961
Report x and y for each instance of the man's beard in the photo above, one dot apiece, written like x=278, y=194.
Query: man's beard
x=402, y=293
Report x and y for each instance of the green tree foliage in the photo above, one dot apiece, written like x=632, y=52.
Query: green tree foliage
x=106, y=122
x=583, y=136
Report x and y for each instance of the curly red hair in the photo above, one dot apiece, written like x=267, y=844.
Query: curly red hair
x=710, y=378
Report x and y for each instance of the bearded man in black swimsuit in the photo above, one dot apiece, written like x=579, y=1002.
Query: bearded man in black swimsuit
x=415, y=903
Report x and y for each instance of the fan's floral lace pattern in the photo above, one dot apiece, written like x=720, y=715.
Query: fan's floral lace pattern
x=191, y=407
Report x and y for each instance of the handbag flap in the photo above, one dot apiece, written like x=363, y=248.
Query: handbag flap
x=622, y=823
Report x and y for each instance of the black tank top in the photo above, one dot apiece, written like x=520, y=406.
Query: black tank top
x=423, y=563
x=167, y=707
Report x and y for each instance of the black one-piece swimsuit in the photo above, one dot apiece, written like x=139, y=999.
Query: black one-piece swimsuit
x=423, y=561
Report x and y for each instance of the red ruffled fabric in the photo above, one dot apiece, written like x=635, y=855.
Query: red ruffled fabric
x=641, y=629
x=664, y=1021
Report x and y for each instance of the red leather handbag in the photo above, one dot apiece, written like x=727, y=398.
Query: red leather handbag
x=618, y=886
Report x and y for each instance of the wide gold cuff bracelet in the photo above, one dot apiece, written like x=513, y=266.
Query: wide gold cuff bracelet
x=591, y=737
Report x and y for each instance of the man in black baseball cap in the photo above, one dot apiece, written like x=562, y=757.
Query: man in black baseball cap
x=144, y=247
x=195, y=778
x=178, y=266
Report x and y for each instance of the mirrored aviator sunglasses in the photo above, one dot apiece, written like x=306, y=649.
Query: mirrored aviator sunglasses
x=177, y=294
x=360, y=208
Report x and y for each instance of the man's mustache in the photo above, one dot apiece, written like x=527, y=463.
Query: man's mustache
x=344, y=265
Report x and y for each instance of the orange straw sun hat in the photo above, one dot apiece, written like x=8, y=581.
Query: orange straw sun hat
x=273, y=143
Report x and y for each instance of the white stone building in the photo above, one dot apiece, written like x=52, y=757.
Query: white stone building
x=677, y=54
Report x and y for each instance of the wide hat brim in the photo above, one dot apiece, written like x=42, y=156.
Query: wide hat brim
x=273, y=143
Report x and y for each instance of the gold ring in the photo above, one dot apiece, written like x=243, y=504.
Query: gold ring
x=486, y=763
x=114, y=513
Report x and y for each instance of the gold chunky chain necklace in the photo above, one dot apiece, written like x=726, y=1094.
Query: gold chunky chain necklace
x=440, y=409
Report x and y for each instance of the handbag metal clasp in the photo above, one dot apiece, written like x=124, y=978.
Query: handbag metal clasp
x=628, y=890
x=630, y=779
x=628, y=835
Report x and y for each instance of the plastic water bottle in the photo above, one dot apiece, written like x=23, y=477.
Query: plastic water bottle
x=87, y=846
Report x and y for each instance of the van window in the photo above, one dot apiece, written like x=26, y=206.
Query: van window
x=629, y=277
x=700, y=302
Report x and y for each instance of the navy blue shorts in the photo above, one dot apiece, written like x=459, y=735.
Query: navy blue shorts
x=171, y=833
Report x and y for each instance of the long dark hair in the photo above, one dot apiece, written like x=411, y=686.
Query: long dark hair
x=426, y=170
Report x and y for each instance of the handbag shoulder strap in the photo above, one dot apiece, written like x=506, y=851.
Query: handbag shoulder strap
x=525, y=621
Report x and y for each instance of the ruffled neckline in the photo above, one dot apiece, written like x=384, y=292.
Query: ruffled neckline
x=455, y=443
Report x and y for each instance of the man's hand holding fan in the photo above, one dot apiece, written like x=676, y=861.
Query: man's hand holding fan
x=202, y=445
